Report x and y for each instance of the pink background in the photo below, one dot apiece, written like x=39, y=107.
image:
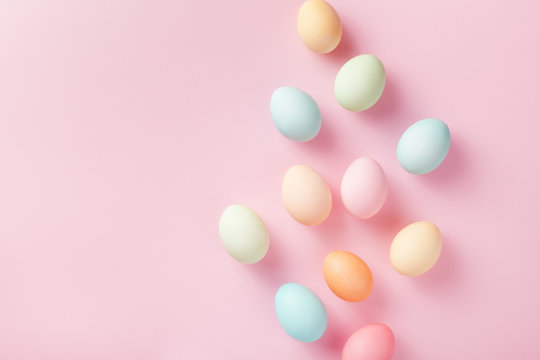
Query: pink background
x=126, y=127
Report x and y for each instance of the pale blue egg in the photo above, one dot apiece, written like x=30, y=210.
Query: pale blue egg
x=300, y=312
x=295, y=114
x=423, y=146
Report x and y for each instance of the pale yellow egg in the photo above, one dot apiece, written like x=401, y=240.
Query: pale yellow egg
x=416, y=248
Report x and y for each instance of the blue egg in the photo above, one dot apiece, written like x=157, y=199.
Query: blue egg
x=295, y=114
x=300, y=312
x=423, y=146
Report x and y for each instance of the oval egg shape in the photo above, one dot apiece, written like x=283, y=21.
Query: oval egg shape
x=423, y=146
x=306, y=195
x=295, y=114
x=364, y=188
x=360, y=82
x=416, y=248
x=347, y=276
x=370, y=342
x=243, y=234
x=300, y=312
x=319, y=26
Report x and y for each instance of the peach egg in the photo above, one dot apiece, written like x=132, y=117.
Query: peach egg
x=306, y=195
x=319, y=26
x=347, y=276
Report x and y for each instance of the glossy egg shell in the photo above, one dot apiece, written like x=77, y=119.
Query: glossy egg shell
x=348, y=276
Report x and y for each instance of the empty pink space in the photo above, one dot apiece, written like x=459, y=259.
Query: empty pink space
x=126, y=127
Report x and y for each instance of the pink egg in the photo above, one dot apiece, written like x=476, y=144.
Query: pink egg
x=371, y=342
x=364, y=188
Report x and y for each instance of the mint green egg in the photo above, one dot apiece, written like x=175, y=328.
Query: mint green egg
x=360, y=82
x=295, y=114
x=423, y=146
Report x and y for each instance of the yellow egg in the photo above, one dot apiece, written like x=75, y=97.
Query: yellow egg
x=319, y=26
x=416, y=248
x=306, y=195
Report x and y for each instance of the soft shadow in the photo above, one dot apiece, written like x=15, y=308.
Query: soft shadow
x=330, y=232
x=453, y=170
x=444, y=276
x=403, y=351
x=271, y=266
x=324, y=140
x=346, y=49
x=389, y=106
x=391, y=218
x=335, y=336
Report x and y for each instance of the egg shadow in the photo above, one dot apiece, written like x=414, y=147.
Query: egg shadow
x=334, y=337
x=442, y=279
x=391, y=218
x=324, y=141
x=346, y=49
x=271, y=267
x=454, y=170
x=330, y=232
x=388, y=108
x=402, y=350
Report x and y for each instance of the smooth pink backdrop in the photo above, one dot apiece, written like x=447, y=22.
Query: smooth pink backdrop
x=126, y=127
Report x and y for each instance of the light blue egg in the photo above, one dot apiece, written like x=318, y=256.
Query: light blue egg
x=423, y=146
x=295, y=114
x=300, y=312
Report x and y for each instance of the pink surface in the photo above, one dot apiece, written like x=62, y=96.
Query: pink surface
x=126, y=127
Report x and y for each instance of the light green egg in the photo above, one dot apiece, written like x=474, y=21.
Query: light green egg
x=243, y=234
x=360, y=82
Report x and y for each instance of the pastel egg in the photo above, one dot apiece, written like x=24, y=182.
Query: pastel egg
x=416, y=248
x=347, y=276
x=319, y=26
x=364, y=188
x=306, y=195
x=300, y=312
x=295, y=114
x=243, y=234
x=370, y=342
x=423, y=146
x=360, y=82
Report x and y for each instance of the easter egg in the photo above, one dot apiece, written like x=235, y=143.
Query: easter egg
x=364, y=188
x=295, y=114
x=347, y=276
x=319, y=26
x=416, y=248
x=360, y=83
x=423, y=146
x=370, y=342
x=300, y=312
x=243, y=234
x=306, y=195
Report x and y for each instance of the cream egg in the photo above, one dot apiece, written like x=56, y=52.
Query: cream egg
x=416, y=248
x=243, y=234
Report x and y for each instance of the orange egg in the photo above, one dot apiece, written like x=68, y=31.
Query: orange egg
x=347, y=276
